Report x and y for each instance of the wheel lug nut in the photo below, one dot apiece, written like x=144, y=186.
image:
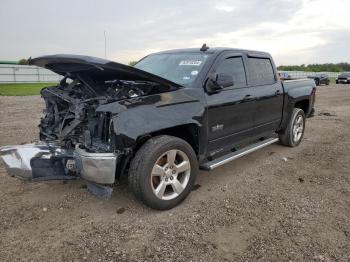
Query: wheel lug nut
x=166, y=180
x=174, y=172
x=171, y=178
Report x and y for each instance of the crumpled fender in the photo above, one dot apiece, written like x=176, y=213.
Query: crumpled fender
x=147, y=119
x=136, y=117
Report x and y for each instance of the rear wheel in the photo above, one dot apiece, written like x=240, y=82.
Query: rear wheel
x=294, y=132
x=163, y=172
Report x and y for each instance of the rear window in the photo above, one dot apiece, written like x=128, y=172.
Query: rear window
x=261, y=71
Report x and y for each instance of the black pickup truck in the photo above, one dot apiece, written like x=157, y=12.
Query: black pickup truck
x=159, y=122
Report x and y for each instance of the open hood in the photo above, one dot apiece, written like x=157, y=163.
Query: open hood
x=96, y=68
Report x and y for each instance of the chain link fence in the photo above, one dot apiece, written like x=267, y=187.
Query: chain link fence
x=26, y=74
x=304, y=74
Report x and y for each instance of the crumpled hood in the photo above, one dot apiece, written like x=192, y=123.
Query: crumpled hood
x=96, y=68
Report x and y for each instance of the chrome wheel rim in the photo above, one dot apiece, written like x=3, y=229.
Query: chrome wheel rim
x=170, y=174
x=298, y=128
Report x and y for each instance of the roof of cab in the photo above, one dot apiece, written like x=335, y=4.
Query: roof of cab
x=212, y=50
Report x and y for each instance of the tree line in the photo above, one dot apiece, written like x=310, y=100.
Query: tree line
x=329, y=67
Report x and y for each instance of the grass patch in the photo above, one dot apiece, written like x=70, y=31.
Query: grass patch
x=22, y=89
x=332, y=80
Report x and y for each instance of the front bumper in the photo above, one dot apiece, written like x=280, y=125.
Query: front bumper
x=40, y=162
x=96, y=167
x=342, y=81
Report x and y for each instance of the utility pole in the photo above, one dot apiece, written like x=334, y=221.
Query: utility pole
x=105, y=35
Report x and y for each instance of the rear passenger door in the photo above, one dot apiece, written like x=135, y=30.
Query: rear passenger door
x=230, y=111
x=268, y=93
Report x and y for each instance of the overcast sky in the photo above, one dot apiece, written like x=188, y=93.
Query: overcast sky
x=294, y=31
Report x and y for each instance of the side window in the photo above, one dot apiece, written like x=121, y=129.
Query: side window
x=261, y=71
x=233, y=66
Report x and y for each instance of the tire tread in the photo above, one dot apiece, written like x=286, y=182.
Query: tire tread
x=143, y=158
x=286, y=137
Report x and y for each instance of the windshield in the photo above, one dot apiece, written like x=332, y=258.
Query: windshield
x=180, y=68
x=344, y=75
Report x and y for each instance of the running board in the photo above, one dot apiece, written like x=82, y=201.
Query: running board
x=237, y=154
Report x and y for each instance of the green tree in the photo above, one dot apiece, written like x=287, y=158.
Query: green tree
x=23, y=61
x=132, y=63
x=328, y=67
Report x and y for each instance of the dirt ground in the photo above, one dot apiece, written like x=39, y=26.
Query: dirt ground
x=277, y=204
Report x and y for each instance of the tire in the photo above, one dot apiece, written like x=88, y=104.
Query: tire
x=152, y=171
x=317, y=82
x=295, y=125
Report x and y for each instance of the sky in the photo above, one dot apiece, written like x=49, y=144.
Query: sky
x=293, y=31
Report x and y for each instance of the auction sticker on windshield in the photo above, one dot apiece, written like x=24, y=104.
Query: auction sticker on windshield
x=190, y=63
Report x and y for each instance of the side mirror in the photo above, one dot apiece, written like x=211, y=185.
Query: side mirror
x=218, y=82
x=224, y=80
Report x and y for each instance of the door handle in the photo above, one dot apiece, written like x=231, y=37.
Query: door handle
x=278, y=92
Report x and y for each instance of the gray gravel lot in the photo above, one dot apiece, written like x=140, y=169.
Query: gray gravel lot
x=277, y=204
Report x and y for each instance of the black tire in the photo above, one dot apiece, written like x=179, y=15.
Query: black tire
x=317, y=82
x=287, y=137
x=140, y=172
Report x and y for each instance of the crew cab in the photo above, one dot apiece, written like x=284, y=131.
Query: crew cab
x=161, y=121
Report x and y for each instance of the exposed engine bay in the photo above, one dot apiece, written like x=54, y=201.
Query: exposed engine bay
x=70, y=115
x=79, y=134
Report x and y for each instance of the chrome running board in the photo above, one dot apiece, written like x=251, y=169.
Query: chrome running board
x=237, y=154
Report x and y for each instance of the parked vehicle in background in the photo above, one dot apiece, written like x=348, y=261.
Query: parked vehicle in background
x=343, y=78
x=320, y=79
x=284, y=76
x=158, y=122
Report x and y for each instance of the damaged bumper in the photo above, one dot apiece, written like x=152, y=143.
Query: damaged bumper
x=96, y=167
x=39, y=162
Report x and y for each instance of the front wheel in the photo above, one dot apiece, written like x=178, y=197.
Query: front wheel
x=294, y=132
x=163, y=172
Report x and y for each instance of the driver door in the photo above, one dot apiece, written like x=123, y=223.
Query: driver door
x=231, y=109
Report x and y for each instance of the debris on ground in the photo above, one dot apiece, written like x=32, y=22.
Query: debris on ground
x=121, y=210
x=195, y=187
x=326, y=114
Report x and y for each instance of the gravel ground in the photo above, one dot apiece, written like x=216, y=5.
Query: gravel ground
x=277, y=204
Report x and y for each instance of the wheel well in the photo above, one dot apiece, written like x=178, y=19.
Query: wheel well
x=303, y=104
x=188, y=132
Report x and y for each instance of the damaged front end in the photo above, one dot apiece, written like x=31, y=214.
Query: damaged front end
x=38, y=162
x=75, y=139
x=77, y=135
